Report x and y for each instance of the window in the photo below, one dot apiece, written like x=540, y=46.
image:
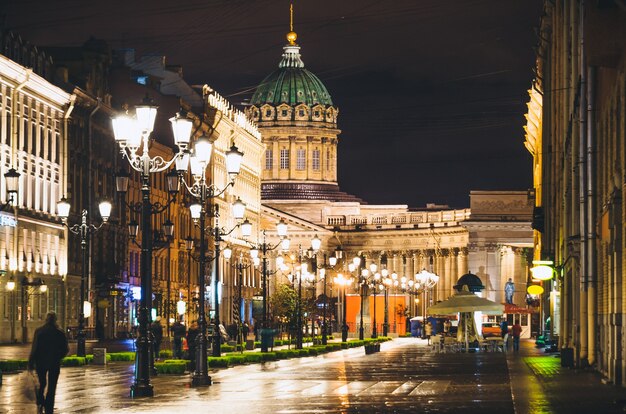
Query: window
x=284, y=159
x=269, y=159
x=327, y=159
x=316, y=159
x=283, y=112
x=301, y=159
x=301, y=113
x=268, y=113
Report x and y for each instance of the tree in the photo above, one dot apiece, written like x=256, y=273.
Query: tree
x=284, y=305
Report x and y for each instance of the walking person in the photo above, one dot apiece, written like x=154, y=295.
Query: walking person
x=48, y=349
x=192, y=335
x=178, y=330
x=429, y=331
x=504, y=332
x=516, y=331
x=157, y=336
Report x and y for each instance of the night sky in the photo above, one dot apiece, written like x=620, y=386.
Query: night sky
x=431, y=93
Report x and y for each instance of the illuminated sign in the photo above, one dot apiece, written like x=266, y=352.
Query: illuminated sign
x=7, y=221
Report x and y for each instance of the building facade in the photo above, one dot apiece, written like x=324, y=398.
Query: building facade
x=576, y=135
x=33, y=141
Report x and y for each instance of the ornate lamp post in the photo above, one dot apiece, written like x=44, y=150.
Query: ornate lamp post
x=387, y=282
x=344, y=283
x=264, y=247
x=375, y=276
x=84, y=230
x=427, y=281
x=12, y=178
x=203, y=192
x=133, y=136
x=332, y=262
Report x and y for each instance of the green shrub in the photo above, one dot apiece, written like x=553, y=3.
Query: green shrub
x=313, y=350
x=287, y=353
x=217, y=362
x=165, y=353
x=236, y=359
x=335, y=346
x=253, y=357
x=73, y=361
x=13, y=365
x=269, y=356
x=257, y=344
x=303, y=352
x=175, y=367
x=122, y=356
x=345, y=345
x=279, y=342
x=227, y=348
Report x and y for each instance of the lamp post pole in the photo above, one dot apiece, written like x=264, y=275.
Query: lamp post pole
x=324, y=325
x=344, y=326
x=299, y=315
x=133, y=133
x=386, y=281
x=84, y=230
x=264, y=327
x=217, y=351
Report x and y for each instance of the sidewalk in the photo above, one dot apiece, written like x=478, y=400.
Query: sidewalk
x=540, y=385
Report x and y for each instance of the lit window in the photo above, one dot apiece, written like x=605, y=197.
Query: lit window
x=301, y=159
x=284, y=159
x=269, y=159
x=316, y=160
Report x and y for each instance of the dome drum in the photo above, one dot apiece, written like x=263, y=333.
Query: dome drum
x=285, y=112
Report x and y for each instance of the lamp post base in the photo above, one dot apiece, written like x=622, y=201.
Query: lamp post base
x=361, y=333
x=80, y=345
x=200, y=380
x=141, y=390
x=385, y=329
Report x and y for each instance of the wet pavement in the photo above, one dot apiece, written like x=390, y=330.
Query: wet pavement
x=405, y=377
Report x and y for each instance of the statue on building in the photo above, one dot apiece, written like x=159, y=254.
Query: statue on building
x=509, y=290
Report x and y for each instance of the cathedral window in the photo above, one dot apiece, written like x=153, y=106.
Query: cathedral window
x=301, y=159
x=301, y=113
x=284, y=112
x=269, y=159
x=316, y=160
x=268, y=113
x=328, y=159
x=284, y=159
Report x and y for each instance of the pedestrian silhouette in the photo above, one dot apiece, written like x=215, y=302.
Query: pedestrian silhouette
x=48, y=349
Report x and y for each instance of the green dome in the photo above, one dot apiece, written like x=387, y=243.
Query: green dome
x=291, y=84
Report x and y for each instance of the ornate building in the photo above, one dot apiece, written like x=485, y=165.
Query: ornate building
x=576, y=134
x=298, y=123
x=33, y=141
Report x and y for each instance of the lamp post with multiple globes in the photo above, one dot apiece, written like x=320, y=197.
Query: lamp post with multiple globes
x=84, y=230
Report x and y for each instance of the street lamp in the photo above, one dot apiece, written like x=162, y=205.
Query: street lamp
x=133, y=136
x=263, y=248
x=387, y=282
x=84, y=230
x=202, y=192
x=375, y=278
x=240, y=266
x=12, y=178
x=332, y=262
x=344, y=282
x=27, y=283
x=427, y=281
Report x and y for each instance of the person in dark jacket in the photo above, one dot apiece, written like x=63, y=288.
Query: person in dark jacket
x=48, y=349
x=179, y=331
x=192, y=334
x=157, y=336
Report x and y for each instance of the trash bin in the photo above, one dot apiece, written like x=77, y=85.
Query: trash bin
x=99, y=356
x=249, y=344
x=567, y=357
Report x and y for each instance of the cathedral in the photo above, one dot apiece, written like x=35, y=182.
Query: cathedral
x=298, y=122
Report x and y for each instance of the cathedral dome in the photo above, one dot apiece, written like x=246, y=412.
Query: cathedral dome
x=291, y=84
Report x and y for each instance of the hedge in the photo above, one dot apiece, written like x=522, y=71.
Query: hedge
x=165, y=353
x=73, y=361
x=217, y=362
x=175, y=367
x=122, y=356
x=236, y=359
x=13, y=365
x=227, y=348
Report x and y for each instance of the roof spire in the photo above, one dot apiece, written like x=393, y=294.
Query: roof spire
x=291, y=36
